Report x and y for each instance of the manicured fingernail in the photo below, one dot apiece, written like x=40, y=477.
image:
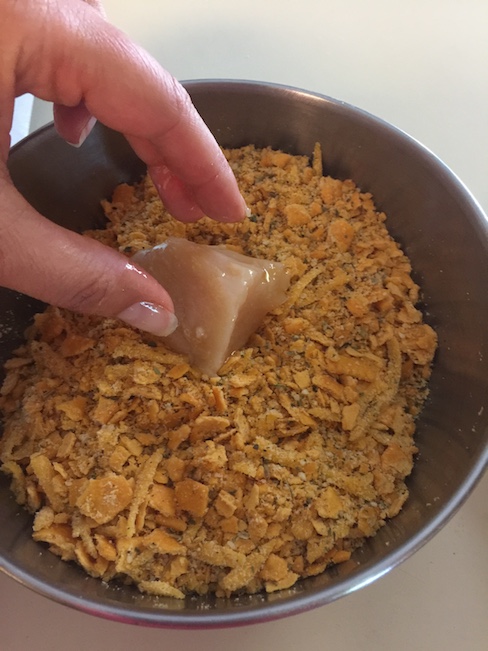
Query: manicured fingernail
x=241, y=213
x=85, y=132
x=151, y=318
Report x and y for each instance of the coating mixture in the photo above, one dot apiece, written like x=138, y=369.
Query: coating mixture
x=144, y=470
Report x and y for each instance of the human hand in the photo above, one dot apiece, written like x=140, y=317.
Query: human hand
x=66, y=52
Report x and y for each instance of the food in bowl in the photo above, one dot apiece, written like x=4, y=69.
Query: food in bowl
x=141, y=468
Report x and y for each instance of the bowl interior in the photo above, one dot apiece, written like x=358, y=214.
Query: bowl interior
x=440, y=227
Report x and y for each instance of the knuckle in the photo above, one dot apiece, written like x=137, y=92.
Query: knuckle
x=182, y=100
x=181, y=106
x=91, y=297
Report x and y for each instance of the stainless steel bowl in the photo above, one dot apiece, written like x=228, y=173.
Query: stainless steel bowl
x=442, y=230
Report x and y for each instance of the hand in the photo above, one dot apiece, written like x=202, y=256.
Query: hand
x=66, y=52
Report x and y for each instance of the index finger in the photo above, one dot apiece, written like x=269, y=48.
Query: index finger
x=87, y=59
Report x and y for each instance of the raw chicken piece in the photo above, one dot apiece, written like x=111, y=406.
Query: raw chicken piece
x=220, y=296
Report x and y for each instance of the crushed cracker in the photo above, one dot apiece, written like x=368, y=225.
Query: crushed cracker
x=140, y=468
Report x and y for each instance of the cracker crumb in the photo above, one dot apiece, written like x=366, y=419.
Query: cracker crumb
x=140, y=468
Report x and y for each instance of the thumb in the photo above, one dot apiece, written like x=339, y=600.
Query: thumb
x=57, y=266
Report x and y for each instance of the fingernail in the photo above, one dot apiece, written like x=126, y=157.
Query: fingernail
x=242, y=213
x=151, y=318
x=85, y=132
x=245, y=211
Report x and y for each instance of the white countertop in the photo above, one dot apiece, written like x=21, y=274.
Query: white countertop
x=421, y=65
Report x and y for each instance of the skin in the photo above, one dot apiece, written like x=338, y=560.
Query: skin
x=66, y=52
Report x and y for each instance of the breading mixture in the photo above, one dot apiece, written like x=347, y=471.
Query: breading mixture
x=141, y=468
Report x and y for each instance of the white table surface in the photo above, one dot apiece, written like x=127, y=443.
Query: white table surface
x=423, y=66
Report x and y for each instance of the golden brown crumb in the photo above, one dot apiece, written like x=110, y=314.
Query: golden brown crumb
x=139, y=467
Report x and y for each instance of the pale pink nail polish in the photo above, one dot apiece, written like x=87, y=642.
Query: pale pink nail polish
x=85, y=132
x=151, y=318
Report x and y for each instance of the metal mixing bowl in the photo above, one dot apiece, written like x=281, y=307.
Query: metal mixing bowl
x=442, y=230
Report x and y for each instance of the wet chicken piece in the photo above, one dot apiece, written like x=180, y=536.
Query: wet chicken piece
x=220, y=296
